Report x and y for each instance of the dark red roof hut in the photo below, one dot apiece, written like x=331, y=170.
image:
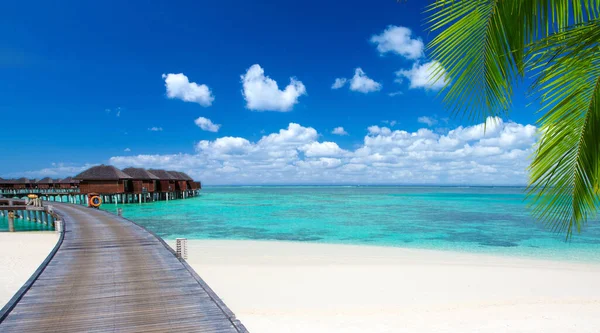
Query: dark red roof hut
x=23, y=183
x=68, y=183
x=192, y=185
x=166, y=182
x=142, y=180
x=45, y=183
x=180, y=181
x=6, y=183
x=103, y=179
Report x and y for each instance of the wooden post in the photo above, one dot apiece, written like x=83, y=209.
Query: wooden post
x=58, y=226
x=181, y=248
x=139, y=198
x=11, y=221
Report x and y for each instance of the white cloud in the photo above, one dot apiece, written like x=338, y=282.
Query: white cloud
x=127, y=150
x=395, y=93
x=429, y=121
x=398, y=40
x=429, y=76
x=494, y=153
x=339, y=131
x=262, y=93
x=179, y=86
x=155, y=129
x=359, y=82
x=339, y=82
x=362, y=83
x=322, y=149
x=207, y=125
x=392, y=123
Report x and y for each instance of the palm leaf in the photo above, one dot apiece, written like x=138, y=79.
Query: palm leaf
x=565, y=170
x=482, y=46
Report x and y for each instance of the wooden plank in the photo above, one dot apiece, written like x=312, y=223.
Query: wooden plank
x=112, y=275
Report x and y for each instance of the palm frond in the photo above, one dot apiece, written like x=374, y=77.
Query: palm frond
x=565, y=170
x=482, y=46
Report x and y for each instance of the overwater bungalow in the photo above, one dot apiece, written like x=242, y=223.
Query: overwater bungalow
x=191, y=184
x=113, y=185
x=180, y=181
x=23, y=183
x=68, y=184
x=103, y=179
x=142, y=180
x=45, y=184
x=166, y=181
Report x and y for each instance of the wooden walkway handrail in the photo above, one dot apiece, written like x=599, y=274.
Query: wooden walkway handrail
x=110, y=274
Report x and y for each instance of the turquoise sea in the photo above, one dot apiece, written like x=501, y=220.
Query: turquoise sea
x=475, y=219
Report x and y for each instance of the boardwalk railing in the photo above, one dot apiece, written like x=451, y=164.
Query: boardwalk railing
x=31, y=210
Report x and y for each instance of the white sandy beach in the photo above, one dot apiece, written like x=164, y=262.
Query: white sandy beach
x=21, y=253
x=299, y=287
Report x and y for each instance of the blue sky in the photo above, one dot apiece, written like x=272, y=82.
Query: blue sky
x=83, y=84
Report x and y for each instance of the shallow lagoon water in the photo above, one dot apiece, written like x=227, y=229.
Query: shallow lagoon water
x=476, y=219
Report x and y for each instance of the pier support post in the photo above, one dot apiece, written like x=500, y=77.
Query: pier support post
x=119, y=211
x=58, y=226
x=181, y=248
x=11, y=221
x=139, y=198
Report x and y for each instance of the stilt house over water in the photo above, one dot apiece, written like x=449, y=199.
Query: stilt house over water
x=142, y=181
x=45, y=183
x=180, y=182
x=103, y=179
x=68, y=184
x=113, y=185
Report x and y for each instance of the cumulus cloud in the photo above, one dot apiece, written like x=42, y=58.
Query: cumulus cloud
x=339, y=82
x=339, y=131
x=322, y=149
x=398, y=40
x=127, y=150
x=207, y=125
x=155, y=129
x=359, y=82
x=429, y=121
x=494, y=153
x=428, y=76
x=362, y=83
x=179, y=86
x=392, y=123
x=262, y=93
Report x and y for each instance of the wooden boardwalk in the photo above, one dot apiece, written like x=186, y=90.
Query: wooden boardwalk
x=110, y=275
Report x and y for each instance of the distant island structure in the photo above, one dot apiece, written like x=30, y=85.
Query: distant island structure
x=130, y=185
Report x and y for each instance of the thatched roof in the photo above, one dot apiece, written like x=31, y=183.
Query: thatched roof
x=68, y=180
x=176, y=175
x=46, y=180
x=162, y=174
x=102, y=172
x=186, y=176
x=139, y=173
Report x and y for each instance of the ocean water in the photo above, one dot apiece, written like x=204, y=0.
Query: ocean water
x=23, y=225
x=476, y=219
